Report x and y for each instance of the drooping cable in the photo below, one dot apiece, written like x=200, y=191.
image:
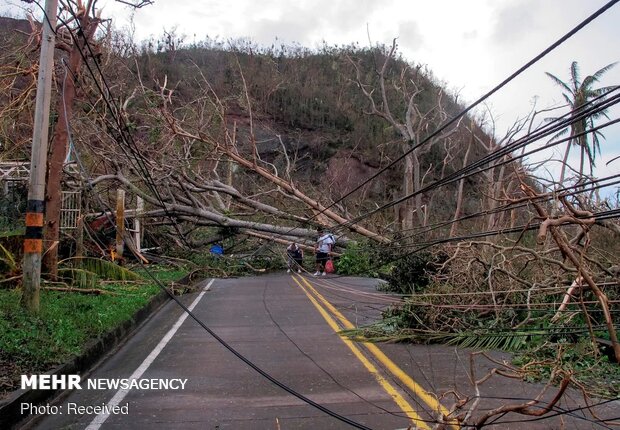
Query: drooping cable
x=477, y=167
x=463, y=112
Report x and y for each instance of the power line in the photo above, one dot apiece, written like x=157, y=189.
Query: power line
x=140, y=160
x=448, y=123
x=576, y=189
x=421, y=246
x=476, y=167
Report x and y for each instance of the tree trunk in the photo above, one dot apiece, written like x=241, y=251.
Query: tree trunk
x=408, y=187
x=283, y=184
x=582, y=160
x=556, y=206
x=564, y=161
x=120, y=223
x=417, y=179
x=58, y=155
x=553, y=225
x=59, y=145
x=459, y=195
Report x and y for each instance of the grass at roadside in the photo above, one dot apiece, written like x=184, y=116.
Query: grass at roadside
x=66, y=323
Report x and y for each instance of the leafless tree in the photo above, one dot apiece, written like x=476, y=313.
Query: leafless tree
x=414, y=125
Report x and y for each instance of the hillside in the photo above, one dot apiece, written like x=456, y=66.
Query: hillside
x=312, y=103
x=307, y=113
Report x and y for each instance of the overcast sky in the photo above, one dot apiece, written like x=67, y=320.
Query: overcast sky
x=469, y=45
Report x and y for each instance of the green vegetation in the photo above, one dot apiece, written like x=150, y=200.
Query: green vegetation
x=67, y=322
x=7, y=259
x=355, y=260
x=411, y=273
x=364, y=259
x=86, y=272
x=577, y=94
x=12, y=209
x=595, y=373
x=463, y=303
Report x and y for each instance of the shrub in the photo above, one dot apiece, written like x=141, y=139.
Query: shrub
x=354, y=261
x=362, y=259
x=412, y=273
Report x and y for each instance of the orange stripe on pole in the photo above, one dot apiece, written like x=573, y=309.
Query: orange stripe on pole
x=33, y=246
x=34, y=219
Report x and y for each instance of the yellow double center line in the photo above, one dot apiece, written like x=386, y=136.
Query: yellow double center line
x=397, y=372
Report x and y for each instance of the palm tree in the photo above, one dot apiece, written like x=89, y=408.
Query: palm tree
x=577, y=94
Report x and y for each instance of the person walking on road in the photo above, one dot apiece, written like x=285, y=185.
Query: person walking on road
x=323, y=249
x=295, y=258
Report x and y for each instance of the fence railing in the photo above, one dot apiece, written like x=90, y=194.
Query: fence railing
x=70, y=209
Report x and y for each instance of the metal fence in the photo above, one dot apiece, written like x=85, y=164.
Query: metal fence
x=70, y=209
x=14, y=176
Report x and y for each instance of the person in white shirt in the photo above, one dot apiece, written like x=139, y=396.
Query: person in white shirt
x=323, y=250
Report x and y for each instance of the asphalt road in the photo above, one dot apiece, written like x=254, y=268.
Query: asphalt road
x=286, y=326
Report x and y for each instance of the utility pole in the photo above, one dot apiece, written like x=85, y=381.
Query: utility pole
x=33, y=242
x=137, y=223
x=120, y=224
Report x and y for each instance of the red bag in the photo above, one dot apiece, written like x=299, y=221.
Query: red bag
x=329, y=266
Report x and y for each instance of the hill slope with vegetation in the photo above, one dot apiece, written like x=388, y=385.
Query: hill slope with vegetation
x=255, y=147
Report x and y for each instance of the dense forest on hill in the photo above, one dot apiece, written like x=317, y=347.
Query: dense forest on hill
x=238, y=143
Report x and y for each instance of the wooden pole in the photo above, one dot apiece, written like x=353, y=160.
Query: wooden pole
x=138, y=224
x=33, y=241
x=120, y=223
x=79, y=237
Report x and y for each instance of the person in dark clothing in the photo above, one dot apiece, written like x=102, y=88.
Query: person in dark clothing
x=295, y=257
